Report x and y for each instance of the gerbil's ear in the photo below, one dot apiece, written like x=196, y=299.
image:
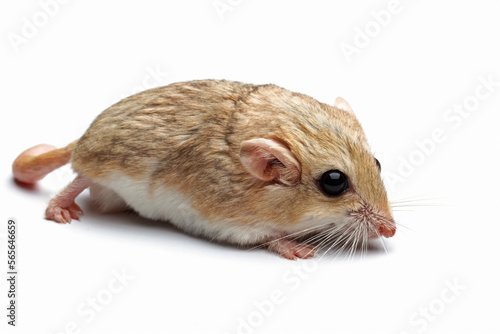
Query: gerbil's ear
x=269, y=159
x=342, y=104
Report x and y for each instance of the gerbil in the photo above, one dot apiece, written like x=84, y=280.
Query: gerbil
x=234, y=162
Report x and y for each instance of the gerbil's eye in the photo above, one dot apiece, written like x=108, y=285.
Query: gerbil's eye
x=333, y=183
x=378, y=164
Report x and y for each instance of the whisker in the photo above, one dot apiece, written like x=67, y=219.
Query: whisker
x=406, y=227
x=318, y=237
x=360, y=239
x=365, y=241
x=383, y=244
x=348, y=239
x=312, y=240
x=353, y=243
x=382, y=218
x=427, y=197
x=342, y=249
x=328, y=236
x=336, y=242
x=418, y=204
x=299, y=233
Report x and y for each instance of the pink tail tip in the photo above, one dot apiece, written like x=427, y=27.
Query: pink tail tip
x=24, y=170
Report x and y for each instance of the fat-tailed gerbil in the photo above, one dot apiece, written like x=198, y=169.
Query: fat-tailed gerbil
x=246, y=164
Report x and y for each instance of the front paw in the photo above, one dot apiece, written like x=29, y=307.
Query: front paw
x=292, y=249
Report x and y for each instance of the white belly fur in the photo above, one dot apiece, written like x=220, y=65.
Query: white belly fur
x=169, y=204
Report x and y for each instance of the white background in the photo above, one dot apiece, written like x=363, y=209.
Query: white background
x=402, y=81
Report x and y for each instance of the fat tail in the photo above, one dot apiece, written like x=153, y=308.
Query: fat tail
x=33, y=164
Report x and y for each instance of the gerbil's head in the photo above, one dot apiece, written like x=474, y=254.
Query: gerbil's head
x=320, y=175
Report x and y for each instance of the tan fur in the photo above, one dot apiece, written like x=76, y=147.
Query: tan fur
x=188, y=136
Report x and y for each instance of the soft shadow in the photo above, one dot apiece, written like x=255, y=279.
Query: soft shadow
x=130, y=223
x=31, y=189
x=22, y=185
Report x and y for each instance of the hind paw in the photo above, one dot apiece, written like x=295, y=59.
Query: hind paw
x=63, y=208
x=63, y=215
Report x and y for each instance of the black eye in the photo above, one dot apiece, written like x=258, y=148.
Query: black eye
x=333, y=183
x=378, y=164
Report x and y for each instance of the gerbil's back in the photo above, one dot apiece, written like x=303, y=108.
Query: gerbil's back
x=160, y=129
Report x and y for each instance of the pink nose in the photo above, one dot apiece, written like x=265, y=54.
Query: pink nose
x=386, y=231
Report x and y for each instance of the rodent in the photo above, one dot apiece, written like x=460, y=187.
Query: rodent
x=239, y=163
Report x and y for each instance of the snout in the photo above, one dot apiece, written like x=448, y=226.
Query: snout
x=386, y=231
x=378, y=222
x=383, y=230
